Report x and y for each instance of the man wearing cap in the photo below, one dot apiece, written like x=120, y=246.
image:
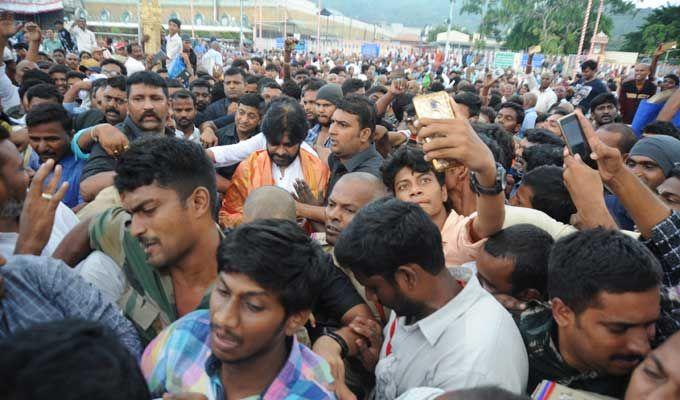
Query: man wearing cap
x=652, y=160
x=326, y=99
x=84, y=38
x=546, y=96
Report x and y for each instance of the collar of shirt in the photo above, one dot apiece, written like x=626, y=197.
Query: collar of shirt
x=194, y=137
x=132, y=131
x=288, y=382
x=434, y=325
x=353, y=163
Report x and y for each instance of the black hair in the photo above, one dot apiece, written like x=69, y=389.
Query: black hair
x=285, y=115
x=376, y=89
x=627, y=136
x=27, y=84
x=542, y=154
x=406, y=156
x=279, y=256
x=231, y=71
x=176, y=21
x=493, y=146
x=471, y=100
x=267, y=83
x=75, y=74
x=257, y=59
x=386, y=234
x=674, y=78
x=200, y=83
x=173, y=83
x=542, y=136
x=519, y=111
x=250, y=79
x=590, y=64
x=603, y=98
x=240, y=63
x=45, y=64
x=80, y=55
x=253, y=100
x=38, y=75
x=291, y=89
x=20, y=45
x=517, y=99
x=185, y=95
x=529, y=248
x=117, y=82
x=123, y=70
x=75, y=358
x=362, y=108
x=98, y=84
x=58, y=68
x=541, y=117
x=660, y=128
x=147, y=78
x=4, y=135
x=436, y=87
x=59, y=51
x=48, y=112
x=557, y=110
x=489, y=112
x=586, y=263
x=313, y=85
x=161, y=71
x=550, y=193
x=301, y=72
x=172, y=163
x=44, y=91
x=351, y=85
x=271, y=67
x=503, y=141
x=337, y=69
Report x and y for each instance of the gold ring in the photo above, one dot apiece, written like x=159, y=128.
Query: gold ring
x=126, y=147
x=46, y=196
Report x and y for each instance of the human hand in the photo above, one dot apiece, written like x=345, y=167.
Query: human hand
x=40, y=207
x=330, y=350
x=609, y=160
x=398, y=87
x=8, y=27
x=233, y=106
x=370, y=345
x=113, y=141
x=84, y=85
x=303, y=194
x=454, y=139
x=33, y=33
x=208, y=137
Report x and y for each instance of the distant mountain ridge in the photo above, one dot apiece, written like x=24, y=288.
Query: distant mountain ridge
x=434, y=12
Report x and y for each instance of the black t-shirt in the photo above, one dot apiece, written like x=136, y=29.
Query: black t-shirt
x=338, y=296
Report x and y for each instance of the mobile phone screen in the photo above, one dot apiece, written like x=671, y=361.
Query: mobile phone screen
x=576, y=140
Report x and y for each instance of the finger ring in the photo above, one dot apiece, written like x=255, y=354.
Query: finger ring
x=126, y=147
x=46, y=196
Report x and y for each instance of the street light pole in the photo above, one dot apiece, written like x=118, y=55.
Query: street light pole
x=240, y=37
x=448, y=31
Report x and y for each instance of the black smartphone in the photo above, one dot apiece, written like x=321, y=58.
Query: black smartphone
x=575, y=139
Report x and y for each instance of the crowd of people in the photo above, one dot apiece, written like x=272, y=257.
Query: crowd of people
x=224, y=224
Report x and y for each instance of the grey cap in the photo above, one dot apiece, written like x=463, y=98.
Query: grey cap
x=665, y=150
x=331, y=92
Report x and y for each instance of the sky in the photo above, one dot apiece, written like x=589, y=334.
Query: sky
x=655, y=3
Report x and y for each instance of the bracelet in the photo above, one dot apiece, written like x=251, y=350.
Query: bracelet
x=344, y=349
x=94, y=138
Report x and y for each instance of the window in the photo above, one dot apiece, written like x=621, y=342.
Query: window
x=198, y=19
x=225, y=20
x=105, y=15
x=125, y=16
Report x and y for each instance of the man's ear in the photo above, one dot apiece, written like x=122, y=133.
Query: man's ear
x=199, y=201
x=296, y=321
x=365, y=135
x=406, y=277
x=563, y=315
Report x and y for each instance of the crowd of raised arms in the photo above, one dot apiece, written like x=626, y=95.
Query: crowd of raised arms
x=211, y=223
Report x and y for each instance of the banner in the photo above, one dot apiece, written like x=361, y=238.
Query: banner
x=504, y=60
x=31, y=6
x=370, y=50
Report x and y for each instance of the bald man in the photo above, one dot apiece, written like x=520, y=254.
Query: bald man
x=351, y=193
x=22, y=67
x=633, y=91
x=268, y=202
x=529, y=113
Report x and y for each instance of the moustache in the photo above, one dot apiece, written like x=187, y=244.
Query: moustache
x=112, y=110
x=150, y=114
x=225, y=333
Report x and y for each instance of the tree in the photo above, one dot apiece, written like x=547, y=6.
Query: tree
x=432, y=34
x=554, y=24
x=662, y=25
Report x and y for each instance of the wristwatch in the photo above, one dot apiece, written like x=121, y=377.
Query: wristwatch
x=497, y=188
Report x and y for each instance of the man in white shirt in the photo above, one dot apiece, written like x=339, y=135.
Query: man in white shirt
x=173, y=42
x=443, y=332
x=84, y=38
x=212, y=58
x=282, y=164
x=546, y=96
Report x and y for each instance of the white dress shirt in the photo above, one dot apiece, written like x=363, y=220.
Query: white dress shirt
x=132, y=65
x=211, y=58
x=285, y=178
x=195, y=136
x=84, y=38
x=235, y=153
x=173, y=46
x=471, y=341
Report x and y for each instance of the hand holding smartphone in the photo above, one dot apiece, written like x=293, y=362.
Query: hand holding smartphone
x=576, y=141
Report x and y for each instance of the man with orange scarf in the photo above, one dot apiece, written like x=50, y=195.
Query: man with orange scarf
x=282, y=164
